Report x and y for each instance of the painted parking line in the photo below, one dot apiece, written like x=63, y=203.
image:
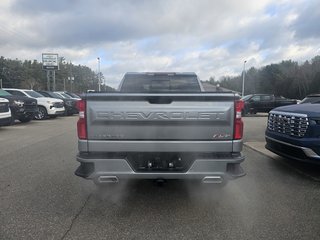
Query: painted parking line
x=259, y=147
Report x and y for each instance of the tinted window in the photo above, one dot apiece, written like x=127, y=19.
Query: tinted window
x=159, y=83
x=266, y=98
x=16, y=93
x=73, y=95
x=59, y=94
x=54, y=95
x=34, y=94
x=310, y=100
x=65, y=95
x=245, y=98
x=4, y=93
x=255, y=98
x=45, y=94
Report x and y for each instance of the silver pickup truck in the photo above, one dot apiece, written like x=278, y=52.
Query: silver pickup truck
x=160, y=126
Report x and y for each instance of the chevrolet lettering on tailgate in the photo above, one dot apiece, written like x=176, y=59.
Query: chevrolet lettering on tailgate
x=161, y=115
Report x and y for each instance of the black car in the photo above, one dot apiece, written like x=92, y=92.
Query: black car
x=264, y=103
x=22, y=108
x=69, y=104
x=312, y=98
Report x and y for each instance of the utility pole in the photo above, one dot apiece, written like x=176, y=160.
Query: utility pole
x=50, y=63
x=243, y=76
x=99, y=77
x=71, y=79
x=54, y=80
x=48, y=80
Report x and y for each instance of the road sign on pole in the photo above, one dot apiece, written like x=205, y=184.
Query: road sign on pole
x=50, y=61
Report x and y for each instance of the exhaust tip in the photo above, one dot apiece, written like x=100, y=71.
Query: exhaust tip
x=108, y=179
x=212, y=179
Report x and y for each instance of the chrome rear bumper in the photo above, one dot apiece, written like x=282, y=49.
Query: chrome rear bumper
x=113, y=170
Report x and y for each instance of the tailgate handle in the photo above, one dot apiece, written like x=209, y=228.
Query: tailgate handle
x=159, y=100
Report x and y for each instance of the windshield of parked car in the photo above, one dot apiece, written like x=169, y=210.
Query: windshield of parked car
x=65, y=95
x=73, y=95
x=310, y=99
x=33, y=94
x=4, y=93
x=54, y=95
x=246, y=97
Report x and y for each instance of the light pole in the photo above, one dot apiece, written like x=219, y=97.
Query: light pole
x=99, y=77
x=64, y=78
x=71, y=79
x=243, y=76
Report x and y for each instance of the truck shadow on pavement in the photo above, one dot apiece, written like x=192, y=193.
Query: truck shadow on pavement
x=308, y=170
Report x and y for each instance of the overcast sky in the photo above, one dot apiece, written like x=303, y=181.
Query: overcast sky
x=211, y=38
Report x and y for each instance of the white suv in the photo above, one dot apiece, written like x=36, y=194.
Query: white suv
x=5, y=113
x=48, y=107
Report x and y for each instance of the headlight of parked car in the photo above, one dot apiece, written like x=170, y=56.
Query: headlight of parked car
x=18, y=103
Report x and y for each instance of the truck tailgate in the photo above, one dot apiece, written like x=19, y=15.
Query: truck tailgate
x=160, y=117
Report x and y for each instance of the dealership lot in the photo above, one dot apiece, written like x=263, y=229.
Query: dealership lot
x=40, y=197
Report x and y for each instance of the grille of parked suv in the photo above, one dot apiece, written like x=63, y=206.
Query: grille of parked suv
x=292, y=124
x=4, y=107
x=58, y=104
x=30, y=105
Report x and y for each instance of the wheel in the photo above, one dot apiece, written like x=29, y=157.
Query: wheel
x=69, y=113
x=25, y=119
x=244, y=112
x=41, y=114
x=12, y=120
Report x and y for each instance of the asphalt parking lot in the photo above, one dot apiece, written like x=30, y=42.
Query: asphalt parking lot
x=40, y=198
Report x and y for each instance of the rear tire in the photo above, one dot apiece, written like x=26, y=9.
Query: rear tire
x=41, y=114
x=244, y=112
x=12, y=121
x=25, y=119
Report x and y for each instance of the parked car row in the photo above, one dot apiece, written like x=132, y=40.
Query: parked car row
x=68, y=101
x=25, y=105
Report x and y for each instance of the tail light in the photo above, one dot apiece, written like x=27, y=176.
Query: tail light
x=238, y=124
x=81, y=124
